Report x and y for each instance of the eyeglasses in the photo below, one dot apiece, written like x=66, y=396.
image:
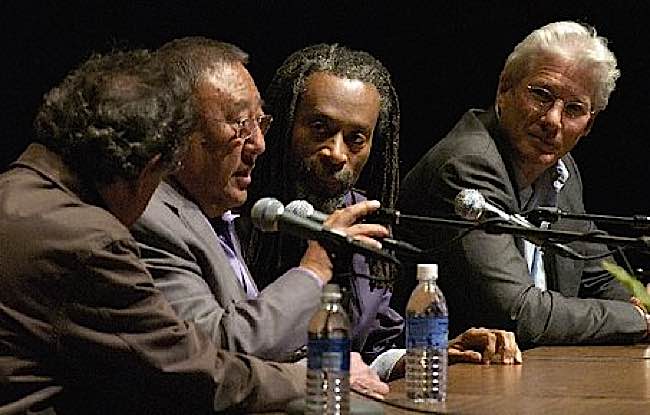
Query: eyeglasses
x=245, y=128
x=543, y=100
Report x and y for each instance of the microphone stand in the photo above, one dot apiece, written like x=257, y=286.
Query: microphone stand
x=551, y=214
x=556, y=235
x=497, y=227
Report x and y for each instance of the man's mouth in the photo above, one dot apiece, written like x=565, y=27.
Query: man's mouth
x=243, y=177
x=543, y=143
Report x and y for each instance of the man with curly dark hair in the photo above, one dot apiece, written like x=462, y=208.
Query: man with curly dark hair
x=82, y=327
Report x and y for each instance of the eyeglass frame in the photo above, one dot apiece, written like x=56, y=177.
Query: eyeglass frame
x=543, y=107
x=240, y=125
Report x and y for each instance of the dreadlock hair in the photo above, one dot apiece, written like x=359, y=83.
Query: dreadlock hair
x=270, y=176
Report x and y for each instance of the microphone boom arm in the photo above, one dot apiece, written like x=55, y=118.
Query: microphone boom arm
x=551, y=214
x=556, y=235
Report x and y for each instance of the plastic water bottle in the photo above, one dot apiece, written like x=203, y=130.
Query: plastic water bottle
x=328, y=357
x=427, y=331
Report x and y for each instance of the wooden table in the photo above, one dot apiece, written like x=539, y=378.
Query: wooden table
x=590, y=380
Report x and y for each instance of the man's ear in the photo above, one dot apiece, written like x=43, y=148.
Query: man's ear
x=590, y=123
x=505, y=84
x=151, y=173
x=155, y=165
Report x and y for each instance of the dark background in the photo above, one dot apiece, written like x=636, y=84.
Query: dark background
x=445, y=57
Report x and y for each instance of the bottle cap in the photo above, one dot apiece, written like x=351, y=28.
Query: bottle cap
x=427, y=272
x=331, y=292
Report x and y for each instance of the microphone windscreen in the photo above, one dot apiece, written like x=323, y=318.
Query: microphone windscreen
x=306, y=210
x=301, y=208
x=469, y=204
x=266, y=213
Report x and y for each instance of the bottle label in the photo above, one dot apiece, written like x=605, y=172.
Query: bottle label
x=427, y=331
x=329, y=354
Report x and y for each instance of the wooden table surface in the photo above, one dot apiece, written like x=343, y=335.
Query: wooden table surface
x=552, y=380
x=566, y=380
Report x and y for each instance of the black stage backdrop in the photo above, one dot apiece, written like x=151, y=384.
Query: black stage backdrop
x=445, y=57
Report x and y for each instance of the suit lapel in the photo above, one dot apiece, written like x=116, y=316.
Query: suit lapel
x=217, y=273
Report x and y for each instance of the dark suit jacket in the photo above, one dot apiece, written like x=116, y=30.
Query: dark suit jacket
x=189, y=266
x=485, y=276
x=82, y=326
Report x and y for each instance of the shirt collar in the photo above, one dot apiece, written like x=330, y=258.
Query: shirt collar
x=561, y=175
x=229, y=217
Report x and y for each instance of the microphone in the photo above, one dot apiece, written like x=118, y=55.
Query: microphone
x=470, y=204
x=269, y=215
x=306, y=210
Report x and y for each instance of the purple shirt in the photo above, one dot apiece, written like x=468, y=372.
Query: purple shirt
x=226, y=234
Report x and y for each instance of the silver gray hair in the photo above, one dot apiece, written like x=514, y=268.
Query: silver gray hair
x=573, y=41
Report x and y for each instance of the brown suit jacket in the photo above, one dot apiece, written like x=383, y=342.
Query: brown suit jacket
x=82, y=326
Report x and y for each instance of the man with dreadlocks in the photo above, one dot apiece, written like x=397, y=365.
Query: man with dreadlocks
x=337, y=112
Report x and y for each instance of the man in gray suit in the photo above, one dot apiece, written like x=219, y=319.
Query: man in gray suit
x=186, y=235
x=82, y=327
x=553, y=85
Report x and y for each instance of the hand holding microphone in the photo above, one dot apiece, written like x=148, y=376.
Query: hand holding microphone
x=339, y=232
x=305, y=209
x=344, y=221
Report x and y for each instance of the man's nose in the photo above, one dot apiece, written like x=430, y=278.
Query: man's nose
x=256, y=144
x=335, y=151
x=552, y=118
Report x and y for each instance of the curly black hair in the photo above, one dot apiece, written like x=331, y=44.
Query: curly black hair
x=271, y=174
x=113, y=114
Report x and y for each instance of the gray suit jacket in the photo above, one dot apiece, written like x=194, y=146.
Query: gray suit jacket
x=188, y=264
x=485, y=276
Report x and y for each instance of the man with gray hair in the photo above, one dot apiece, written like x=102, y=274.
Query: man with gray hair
x=553, y=85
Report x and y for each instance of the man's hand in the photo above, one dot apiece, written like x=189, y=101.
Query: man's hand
x=485, y=346
x=637, y=302
x=364, y=379
x=345, y=220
